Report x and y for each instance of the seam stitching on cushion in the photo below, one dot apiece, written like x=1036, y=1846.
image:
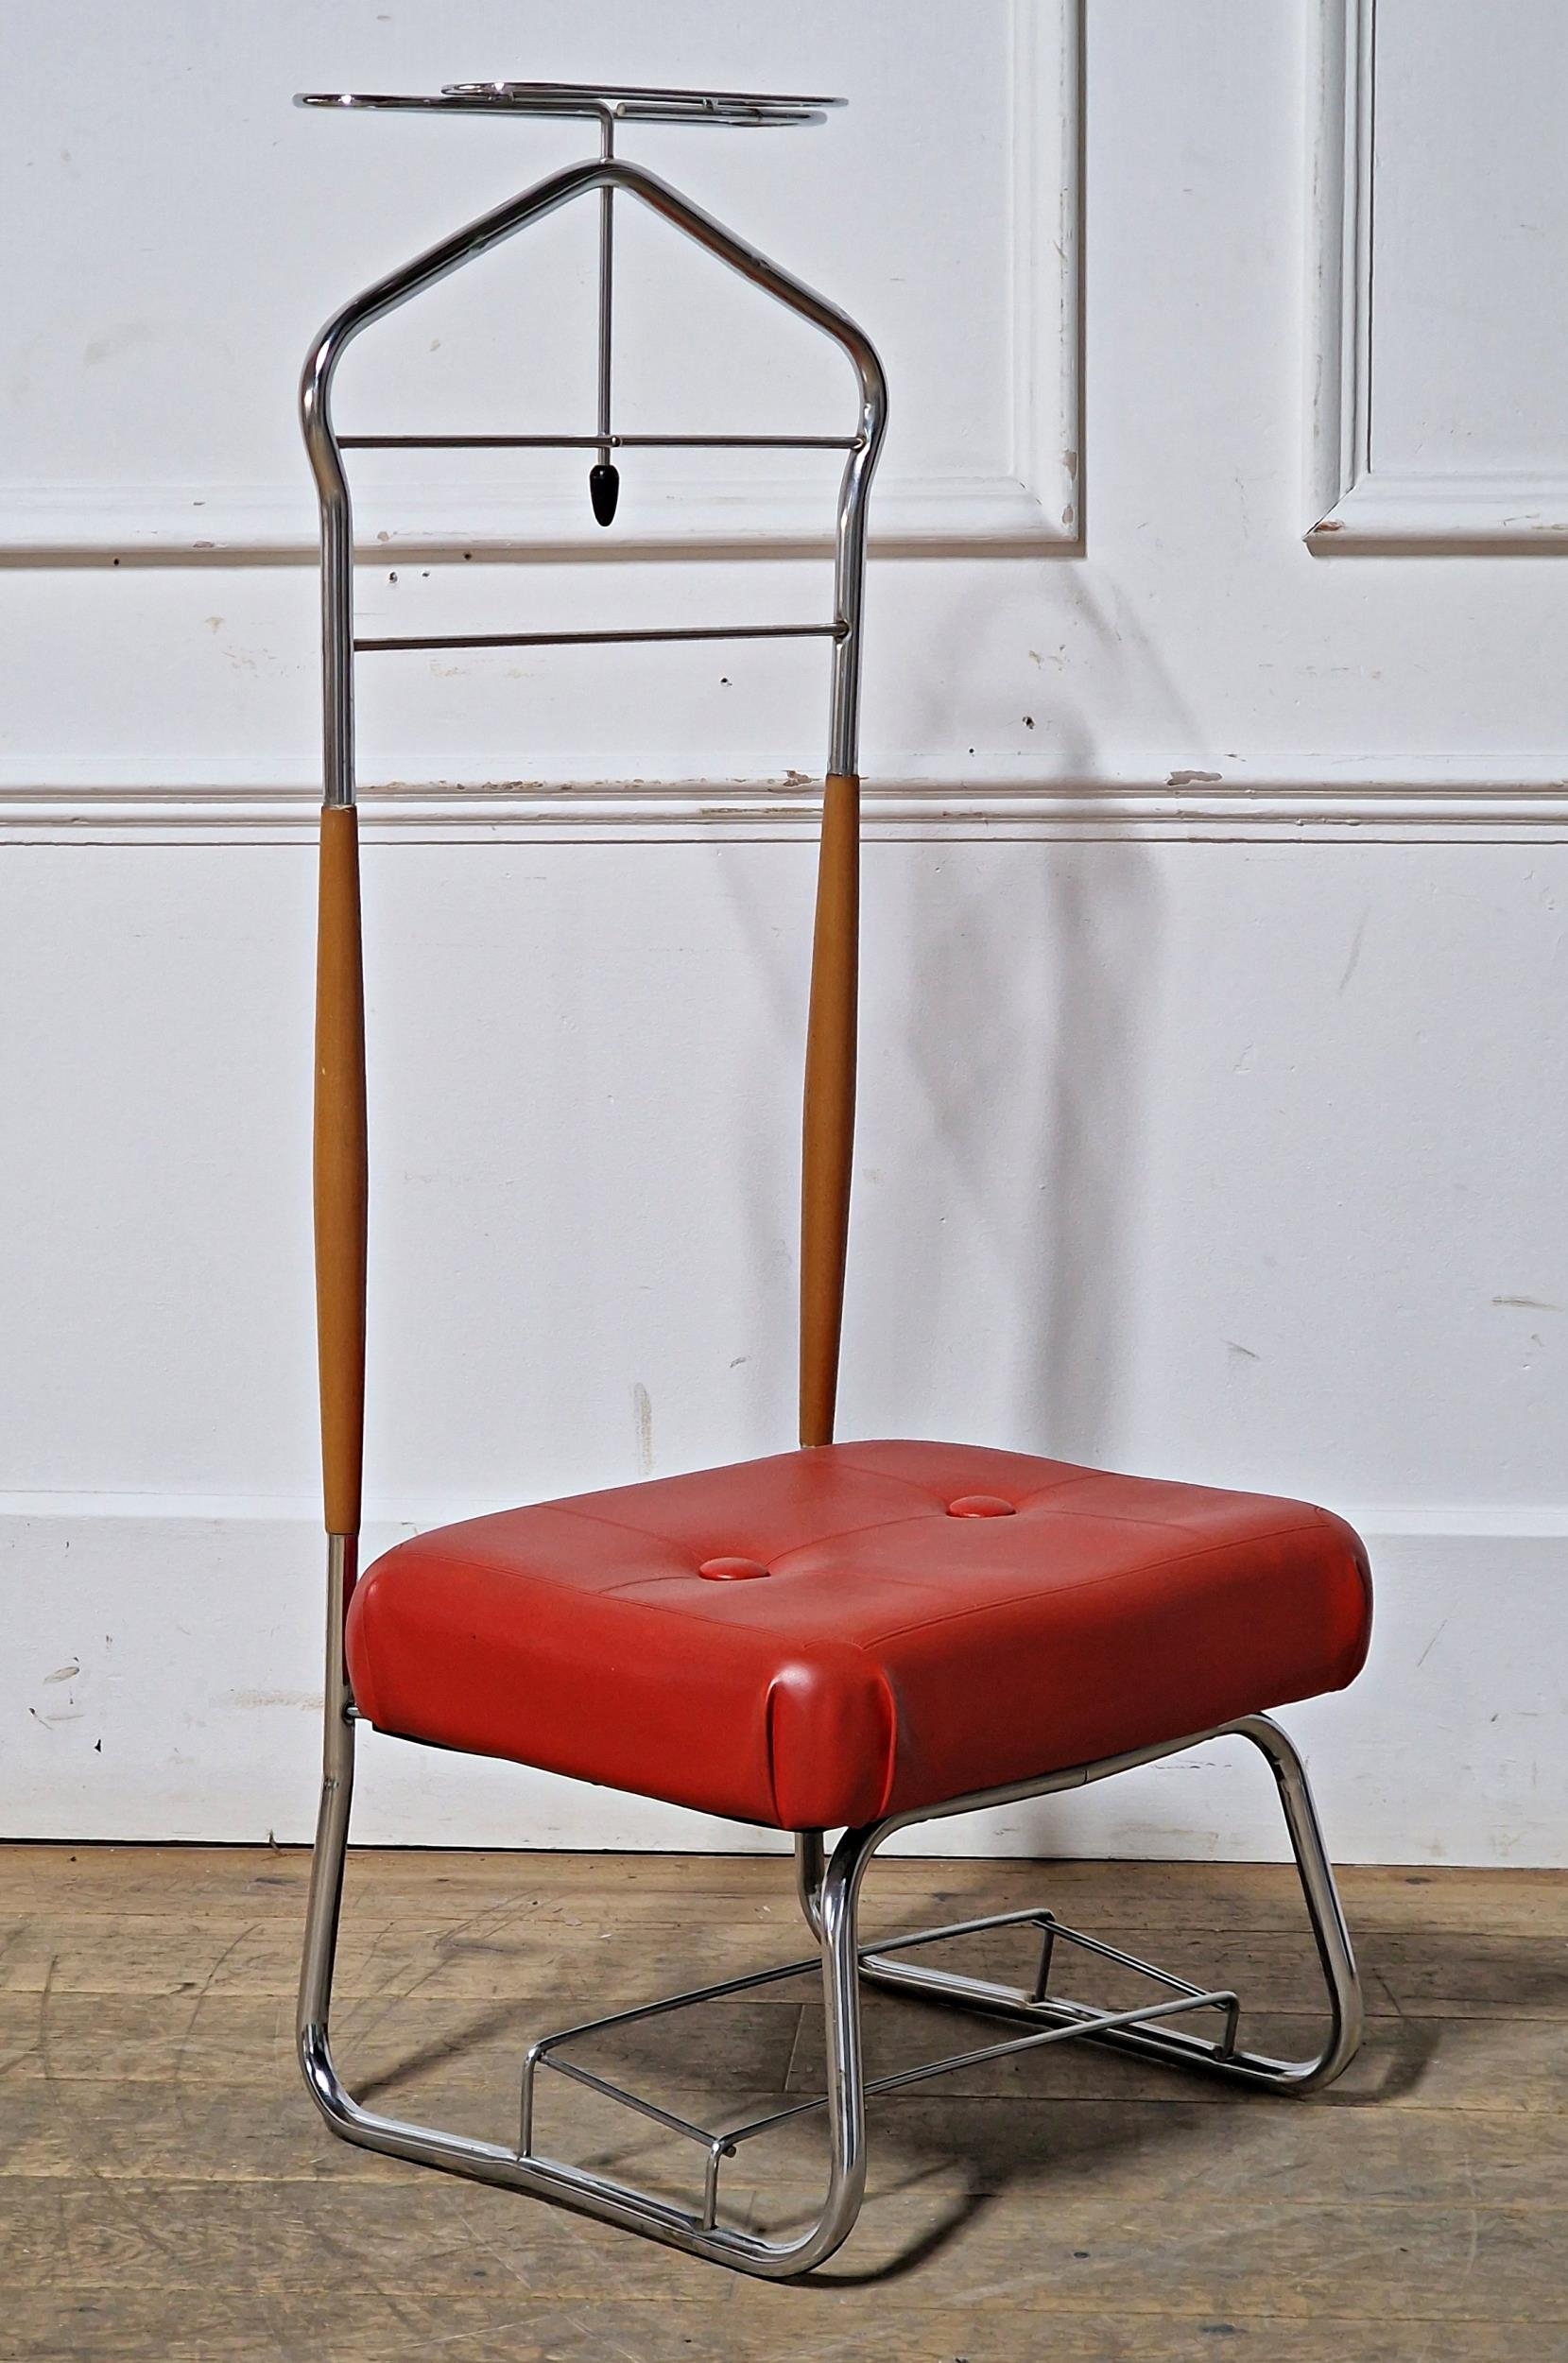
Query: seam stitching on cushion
x=787, y=1638
x=1081, y=1476
x=839, y=1534
x=1165, y=1526
x=987, y=1608
x=770, y=1761
x=924, y=1624
x=1036, y=1493
x=889, y=1775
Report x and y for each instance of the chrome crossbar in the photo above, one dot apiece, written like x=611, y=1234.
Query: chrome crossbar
x=538, y=2052
x=600, y=639
x=599, y=442
x=1064, y=2021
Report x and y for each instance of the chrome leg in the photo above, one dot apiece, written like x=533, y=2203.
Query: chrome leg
x=1324, y=1911
x=524, y=2170
x=1171, y=2044
x=809, y=1862
x=325, y=1903
x=829, y=1893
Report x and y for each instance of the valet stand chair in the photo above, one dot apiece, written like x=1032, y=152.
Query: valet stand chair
x=852, y=1638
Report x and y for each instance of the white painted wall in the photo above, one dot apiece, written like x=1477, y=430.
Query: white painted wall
x=1214, y=1102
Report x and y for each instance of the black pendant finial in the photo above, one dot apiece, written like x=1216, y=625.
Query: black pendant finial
x=604, y=491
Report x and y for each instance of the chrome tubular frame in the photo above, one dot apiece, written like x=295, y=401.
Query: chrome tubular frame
x=829, y=1887
x=1330, y=1934
x=862, y=448
x=593, y=102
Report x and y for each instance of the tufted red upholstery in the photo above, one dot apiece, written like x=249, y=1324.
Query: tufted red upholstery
x=880, y=1653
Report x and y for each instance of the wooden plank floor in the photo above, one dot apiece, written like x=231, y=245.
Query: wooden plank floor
x=168, y=2193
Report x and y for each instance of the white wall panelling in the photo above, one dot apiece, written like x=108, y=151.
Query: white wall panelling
x=1450, y=805
x=1215, y=1071
x=1438, y=214
x=1197, y=1158
x=210, y=1729
x=1195, y=651
x=990, y=461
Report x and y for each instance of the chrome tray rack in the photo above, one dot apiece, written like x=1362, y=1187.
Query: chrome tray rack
x=607, y=105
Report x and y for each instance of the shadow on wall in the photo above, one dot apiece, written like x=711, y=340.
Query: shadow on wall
x=1102, y=917
x=1026, y=1023
x=1006, y=1012
x=1031, y=971
x=1010, y=1002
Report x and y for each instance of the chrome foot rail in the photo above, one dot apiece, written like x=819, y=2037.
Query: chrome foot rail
x=1064, y=2021
x=1173, y=2045
x=830, y=1895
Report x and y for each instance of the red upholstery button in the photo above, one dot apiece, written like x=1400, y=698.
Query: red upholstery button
x=731, y=1570
x=979, y=1505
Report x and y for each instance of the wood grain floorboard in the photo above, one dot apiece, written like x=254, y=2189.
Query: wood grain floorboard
x=167, y=2192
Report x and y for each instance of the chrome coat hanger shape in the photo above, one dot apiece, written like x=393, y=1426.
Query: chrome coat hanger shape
x=606, y=104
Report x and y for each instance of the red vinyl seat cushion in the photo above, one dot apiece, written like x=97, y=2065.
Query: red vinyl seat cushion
x=827, y=1636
